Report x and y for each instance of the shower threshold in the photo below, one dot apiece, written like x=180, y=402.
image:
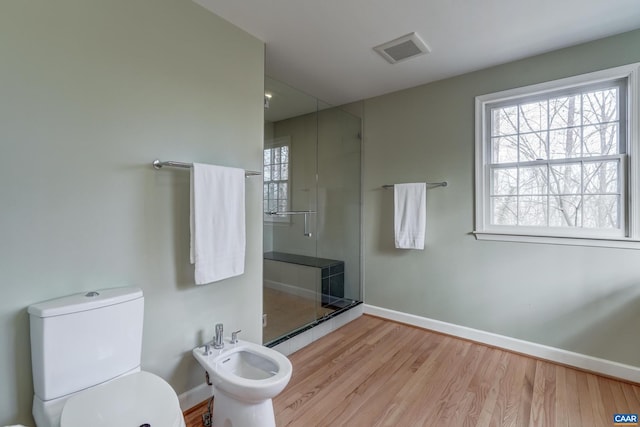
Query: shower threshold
x=340, y=312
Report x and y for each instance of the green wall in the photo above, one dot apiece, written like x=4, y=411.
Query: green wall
x=90, y=93
x=580, y=299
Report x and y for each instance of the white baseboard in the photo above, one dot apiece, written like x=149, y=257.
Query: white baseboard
x=564, y=357
x=290, y=289
x=191, y=398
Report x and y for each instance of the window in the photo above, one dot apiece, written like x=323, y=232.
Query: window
x=556, y=160
x=276, y=179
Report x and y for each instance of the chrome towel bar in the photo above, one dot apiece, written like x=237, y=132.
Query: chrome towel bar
x=432, y=184
x=307, y=231
x=157, y=164
x=290, y=212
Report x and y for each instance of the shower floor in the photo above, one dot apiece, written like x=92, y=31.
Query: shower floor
x=286, y=313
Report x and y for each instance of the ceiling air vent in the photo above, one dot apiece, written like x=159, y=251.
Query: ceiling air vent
x=402, y=48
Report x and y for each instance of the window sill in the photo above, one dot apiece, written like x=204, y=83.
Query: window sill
x=621, y=243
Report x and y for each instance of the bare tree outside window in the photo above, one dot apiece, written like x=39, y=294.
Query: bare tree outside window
x=558, y=161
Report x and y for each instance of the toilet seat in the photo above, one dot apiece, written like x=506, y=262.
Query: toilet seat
x=133, y=400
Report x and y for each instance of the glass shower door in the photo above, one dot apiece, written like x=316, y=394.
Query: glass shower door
x=312, y=211
x=291, y=275
x=339, y=206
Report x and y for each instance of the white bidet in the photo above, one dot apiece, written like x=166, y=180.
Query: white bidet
x=245, y=377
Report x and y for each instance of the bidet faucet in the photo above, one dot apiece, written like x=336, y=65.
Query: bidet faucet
x=217, y=340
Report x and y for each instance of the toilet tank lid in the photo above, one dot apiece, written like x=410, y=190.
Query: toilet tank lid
x=84, y=301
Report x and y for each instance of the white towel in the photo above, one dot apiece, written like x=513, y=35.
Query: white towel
x=218, y=232
x=410, y=215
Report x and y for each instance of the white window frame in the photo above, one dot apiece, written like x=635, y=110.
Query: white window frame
x=631, y=187
x=284, y=141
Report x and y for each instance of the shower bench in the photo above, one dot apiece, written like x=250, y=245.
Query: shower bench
x=303, y=275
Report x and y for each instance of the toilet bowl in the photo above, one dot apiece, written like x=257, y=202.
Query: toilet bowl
x=246, y=377
x=121, y=401
x=136, y=399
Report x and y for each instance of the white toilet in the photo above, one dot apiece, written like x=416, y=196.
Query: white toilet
x=85, y=355
x=246, y=377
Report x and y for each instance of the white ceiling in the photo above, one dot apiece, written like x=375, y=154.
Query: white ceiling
x=324, y=47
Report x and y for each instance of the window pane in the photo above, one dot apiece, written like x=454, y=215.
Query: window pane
x=276, y=177
x=275, y=172
x=600, y=140
x=564, y=112
x=533, y=146
x=533, y=180
x=504, y=149
x=565, y=179
x=505, y=181
x=532, y=211
x=601, y=177
x=282, y=191
x=564, y=143
x=504, y=211
x=504, y=121
x=600, y=106
x=273, y=188
x=533, y=116
x=601, y=211
x=565, y=211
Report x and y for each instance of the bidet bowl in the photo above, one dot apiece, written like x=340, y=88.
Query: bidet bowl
x=246, y=371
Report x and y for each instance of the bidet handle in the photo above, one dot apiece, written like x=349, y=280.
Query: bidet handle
x=234, y=336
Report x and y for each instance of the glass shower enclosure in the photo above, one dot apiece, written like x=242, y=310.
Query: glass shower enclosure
x=312, y=211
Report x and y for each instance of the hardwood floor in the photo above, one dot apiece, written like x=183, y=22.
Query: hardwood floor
x=286, y=313
x=193, y=416
x=374, y=372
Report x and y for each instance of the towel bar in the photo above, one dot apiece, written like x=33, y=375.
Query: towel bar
x=433, y=184
x=306, y=214
x=157, y=164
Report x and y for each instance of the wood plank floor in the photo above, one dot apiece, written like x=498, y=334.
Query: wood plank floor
x=193, y=416
x=374, y=372
x=287, y=312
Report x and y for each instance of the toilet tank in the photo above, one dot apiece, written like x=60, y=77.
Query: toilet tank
x=85, y=339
